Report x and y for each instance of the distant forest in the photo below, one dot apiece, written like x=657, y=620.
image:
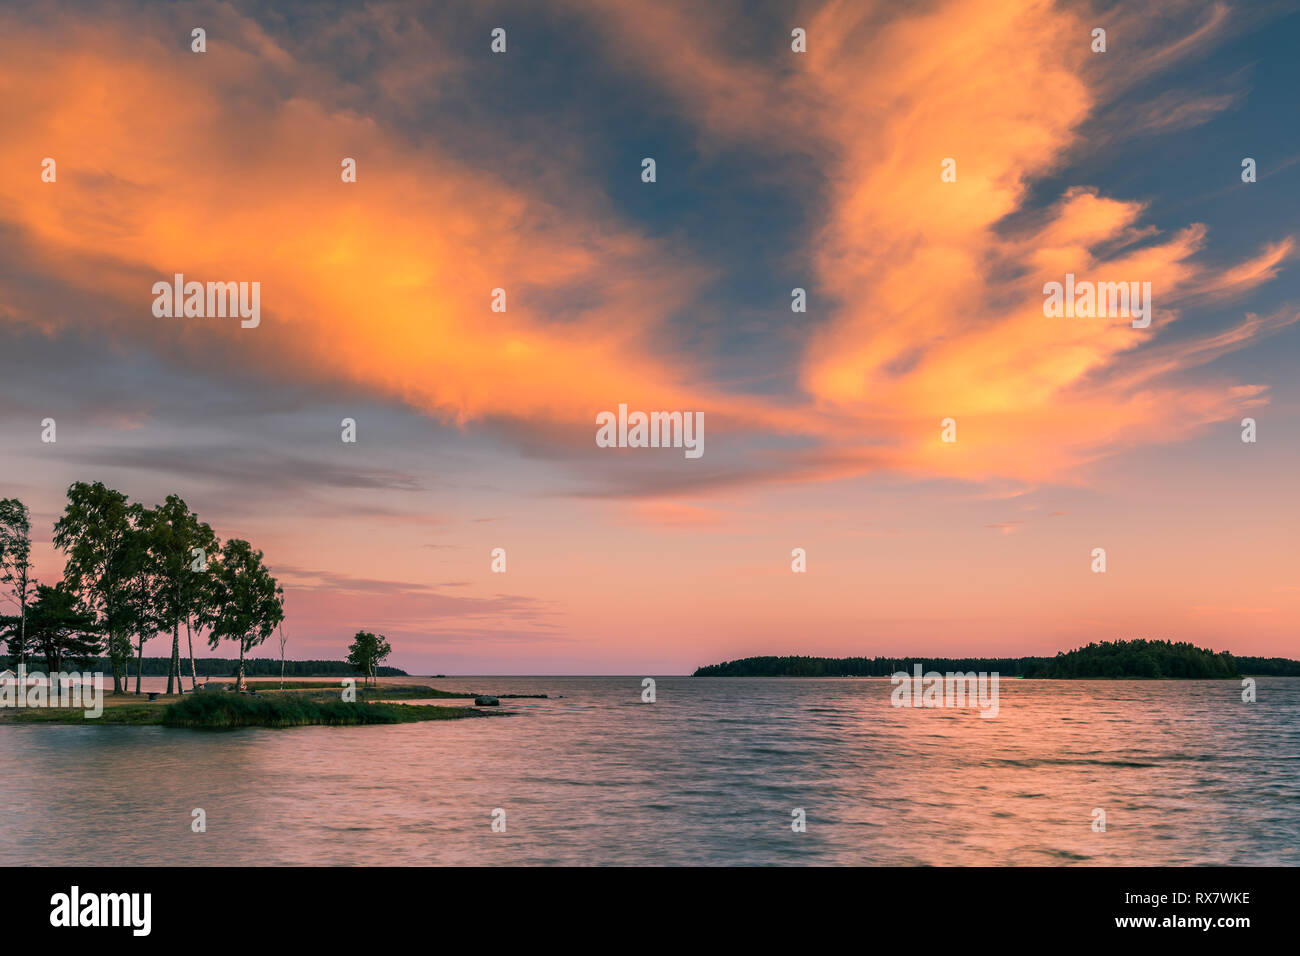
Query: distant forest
x=1140, y=658
x=253, y=667
x=1149, y=659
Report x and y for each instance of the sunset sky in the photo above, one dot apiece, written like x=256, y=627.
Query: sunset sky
x=775, y=170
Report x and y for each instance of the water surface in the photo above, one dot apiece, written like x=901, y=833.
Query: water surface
x=708, y=774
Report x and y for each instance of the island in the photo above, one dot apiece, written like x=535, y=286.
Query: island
x=1132, y=659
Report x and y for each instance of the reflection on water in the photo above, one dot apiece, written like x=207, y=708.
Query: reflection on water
x=1186, y=773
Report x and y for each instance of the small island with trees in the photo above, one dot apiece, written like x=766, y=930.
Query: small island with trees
x=132, y=573
x=1135, y=659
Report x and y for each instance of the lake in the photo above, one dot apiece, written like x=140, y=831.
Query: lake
x=1185, y=772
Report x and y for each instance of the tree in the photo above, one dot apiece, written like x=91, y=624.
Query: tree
x=382, y=650
x=16, y=566
x=201, y=594
x=247, y=602
x=101, y=536
x=367, y=652
x=59, y=627
x=283, y=641
x=359, y=653
x=141, y=612
x=176, y=563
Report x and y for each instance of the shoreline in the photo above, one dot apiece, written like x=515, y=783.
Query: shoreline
x=302, y=706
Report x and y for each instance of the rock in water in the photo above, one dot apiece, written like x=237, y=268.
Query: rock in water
x=484, y=701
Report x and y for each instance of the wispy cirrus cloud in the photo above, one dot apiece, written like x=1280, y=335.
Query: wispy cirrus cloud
x=928, y=305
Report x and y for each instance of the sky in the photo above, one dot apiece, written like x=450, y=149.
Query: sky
x=822, y=169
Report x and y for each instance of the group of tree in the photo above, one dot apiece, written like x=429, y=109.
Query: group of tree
x=1137, y=658
x=130, y=573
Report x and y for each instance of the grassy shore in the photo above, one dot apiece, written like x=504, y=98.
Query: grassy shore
x=215, y=709
x=380, y=692
x=220, y=710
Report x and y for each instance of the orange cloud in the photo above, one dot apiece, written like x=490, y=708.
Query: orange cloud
x=226, y=167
